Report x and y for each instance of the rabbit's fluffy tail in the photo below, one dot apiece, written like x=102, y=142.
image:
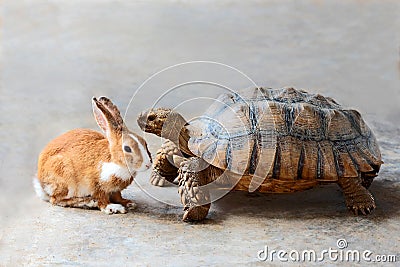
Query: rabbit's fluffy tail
x=39, y=190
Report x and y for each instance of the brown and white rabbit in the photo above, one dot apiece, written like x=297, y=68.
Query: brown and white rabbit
x=84, y=168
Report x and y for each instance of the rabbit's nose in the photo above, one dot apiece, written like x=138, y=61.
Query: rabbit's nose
x=148, y=165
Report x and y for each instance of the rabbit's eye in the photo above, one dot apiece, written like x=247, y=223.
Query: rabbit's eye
x=127, y=149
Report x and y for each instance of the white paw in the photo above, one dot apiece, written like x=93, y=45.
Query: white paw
x=114, y=208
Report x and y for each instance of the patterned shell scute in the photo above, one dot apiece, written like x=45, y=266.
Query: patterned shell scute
x=285, y=134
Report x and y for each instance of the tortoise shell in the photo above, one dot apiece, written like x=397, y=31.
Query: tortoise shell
x=285, y=134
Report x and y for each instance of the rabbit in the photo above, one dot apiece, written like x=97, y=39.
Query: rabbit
x=84, y=168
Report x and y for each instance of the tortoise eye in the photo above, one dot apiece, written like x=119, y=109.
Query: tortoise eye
x=127, y=149
x=151, y=117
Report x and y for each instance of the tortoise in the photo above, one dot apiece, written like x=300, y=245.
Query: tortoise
x=265, y=140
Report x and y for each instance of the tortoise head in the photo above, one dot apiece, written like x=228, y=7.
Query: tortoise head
x=163, y=122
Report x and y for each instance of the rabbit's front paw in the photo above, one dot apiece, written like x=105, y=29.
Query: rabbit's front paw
x=114, y=208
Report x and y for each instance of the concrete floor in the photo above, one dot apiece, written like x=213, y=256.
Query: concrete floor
x=58, y=54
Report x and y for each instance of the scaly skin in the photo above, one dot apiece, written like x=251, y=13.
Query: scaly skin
x=358, y=198
x=163, y=168
x=195, y=199
x=170, y=125
x=367, y=179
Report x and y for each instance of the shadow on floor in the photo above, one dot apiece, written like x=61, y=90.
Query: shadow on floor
x=323, y=201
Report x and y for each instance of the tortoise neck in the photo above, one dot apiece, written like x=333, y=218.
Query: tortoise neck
x=183, y=140
x=174, y=129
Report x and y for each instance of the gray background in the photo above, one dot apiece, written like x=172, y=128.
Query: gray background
x=56, y=55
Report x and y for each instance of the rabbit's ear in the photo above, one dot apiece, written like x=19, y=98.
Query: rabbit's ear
x=103, y=117
x=107, y=103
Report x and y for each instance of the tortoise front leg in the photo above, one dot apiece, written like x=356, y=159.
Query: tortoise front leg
x=163, y=167
x=194, y=197
x=358, y=198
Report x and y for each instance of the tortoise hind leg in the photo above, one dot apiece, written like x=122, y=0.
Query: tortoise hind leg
x=163, y=167
x=358, y=198
x=194, y=197
x=367, y=178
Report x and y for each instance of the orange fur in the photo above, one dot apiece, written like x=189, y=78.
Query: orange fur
x=82, y=166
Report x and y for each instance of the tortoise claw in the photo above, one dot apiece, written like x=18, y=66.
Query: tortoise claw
x=358, y=199
x=156, y=179
x=365, y=210
x=196, y=213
